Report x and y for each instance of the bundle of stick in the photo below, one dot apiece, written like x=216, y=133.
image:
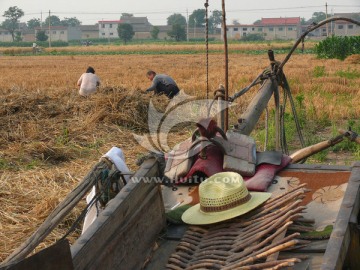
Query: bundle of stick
x=252, y=241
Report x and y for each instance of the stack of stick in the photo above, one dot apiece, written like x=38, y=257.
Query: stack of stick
x=252, y=241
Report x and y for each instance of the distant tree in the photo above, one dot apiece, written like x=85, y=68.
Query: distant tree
x=125, y=31
x=316, y=17
x=41, y=36
x=257, y=22
x=11, y=23
x=31, y=24
x=197, y=18
x=215, y=19
x=18, y=36
x=235, y=22
x=54, y=21
x=177, y=32
x=70, y=22
x=302, y=21
x=176, y=18
x=155, y=32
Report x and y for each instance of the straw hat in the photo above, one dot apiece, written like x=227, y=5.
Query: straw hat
x=223, y=196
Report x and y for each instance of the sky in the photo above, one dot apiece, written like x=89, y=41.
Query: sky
x=157, y=11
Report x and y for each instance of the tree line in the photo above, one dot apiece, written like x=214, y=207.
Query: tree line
x=177, y=22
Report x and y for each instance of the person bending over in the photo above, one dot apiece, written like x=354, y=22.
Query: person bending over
x=162, y=84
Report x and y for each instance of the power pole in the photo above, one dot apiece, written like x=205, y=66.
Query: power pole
x=187, y=25
x=49, y=30
x=194, y=28
x=326, y=13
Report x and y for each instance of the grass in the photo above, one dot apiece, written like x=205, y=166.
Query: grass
x=50, y=137
x=348, y=74
x=159, y=49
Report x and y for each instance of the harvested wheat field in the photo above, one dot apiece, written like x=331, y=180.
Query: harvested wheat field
x=50, y=137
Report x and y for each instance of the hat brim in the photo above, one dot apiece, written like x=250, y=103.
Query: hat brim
x=195, y=216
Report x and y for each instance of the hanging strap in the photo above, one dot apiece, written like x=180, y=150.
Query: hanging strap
x=207, y=47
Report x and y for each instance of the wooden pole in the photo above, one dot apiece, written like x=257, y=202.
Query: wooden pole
x=57, y=215
x=226, y=65
x=49, y=29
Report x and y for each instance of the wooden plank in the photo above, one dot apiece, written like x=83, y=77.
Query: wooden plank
x=317, y=246
x=55, y=257
x=162, y=254
x=126, y=230
x=250, y=117
x=56, y=216
x=317, y=167
x=340, y=239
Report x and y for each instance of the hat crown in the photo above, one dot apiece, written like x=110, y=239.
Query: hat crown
x=222, y=191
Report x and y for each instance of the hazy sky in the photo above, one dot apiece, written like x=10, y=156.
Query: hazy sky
x=246, y=12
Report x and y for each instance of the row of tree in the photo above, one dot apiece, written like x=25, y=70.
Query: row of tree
x=176, y=20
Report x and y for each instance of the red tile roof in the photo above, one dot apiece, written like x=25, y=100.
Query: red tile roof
x=272, y=21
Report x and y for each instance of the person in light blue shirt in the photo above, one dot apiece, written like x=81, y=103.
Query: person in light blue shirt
x=162, y=84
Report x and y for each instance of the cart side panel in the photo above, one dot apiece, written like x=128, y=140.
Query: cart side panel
x=125, y=232
x=340, y=249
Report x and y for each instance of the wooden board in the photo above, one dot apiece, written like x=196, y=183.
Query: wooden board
x=55, y=257
x=343, y=247
x=125, y=232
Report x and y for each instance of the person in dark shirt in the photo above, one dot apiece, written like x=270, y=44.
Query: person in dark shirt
x=162, y=84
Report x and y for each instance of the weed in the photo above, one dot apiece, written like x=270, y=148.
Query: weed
x=63, y=139
x=348, y=74
x=319, y=71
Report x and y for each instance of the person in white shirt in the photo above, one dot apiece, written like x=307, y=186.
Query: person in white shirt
x=88, y=82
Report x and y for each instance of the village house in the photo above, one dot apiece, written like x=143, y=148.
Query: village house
x=89, y=31
x=5, y=35
x=269, y=28
x=61, y=33
x=291, y=28
x=345, y=28
x=108, y=29
x=140, y=25
x=337, y=28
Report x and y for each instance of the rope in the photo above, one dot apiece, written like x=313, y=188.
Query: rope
x=293, y=109
x=207, y=47
x=266, y=128
x=283, y=142
x=96, y=198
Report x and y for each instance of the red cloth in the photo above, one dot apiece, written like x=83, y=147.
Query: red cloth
x=209, y=166
x=264, y=174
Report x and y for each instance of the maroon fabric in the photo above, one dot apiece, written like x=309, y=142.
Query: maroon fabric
x=209, y=166
x=264, y=174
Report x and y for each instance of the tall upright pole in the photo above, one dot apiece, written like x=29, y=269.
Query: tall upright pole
x=207, y=47
x=194, y=27
x=326, y=16
x=187, y=25
x=49, y=30
x=226, y=65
